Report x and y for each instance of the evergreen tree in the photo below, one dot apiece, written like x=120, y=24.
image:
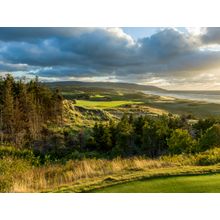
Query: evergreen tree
x=138, y=131
x=8, y=108
x=125, y=140
x=26, y=108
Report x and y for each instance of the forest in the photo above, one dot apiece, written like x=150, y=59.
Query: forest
x=26, y=108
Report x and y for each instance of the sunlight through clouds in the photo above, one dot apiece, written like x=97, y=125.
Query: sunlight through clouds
x=166, y=57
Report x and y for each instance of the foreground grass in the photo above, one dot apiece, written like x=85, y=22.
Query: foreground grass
x=118, y=181
x=178, y=184
x=18, y=175
x=74, y=172
x=103, y=104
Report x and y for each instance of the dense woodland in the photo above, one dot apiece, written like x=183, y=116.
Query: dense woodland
x=26, y=108
x=30, y=109
x=155, y=136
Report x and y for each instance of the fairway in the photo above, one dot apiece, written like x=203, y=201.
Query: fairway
x=103, y=104
x=181, y=184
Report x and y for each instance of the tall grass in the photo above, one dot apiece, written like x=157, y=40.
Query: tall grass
x=21, y=175
x=53, y=176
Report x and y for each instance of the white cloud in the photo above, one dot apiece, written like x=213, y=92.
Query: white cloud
x=118, y=32
x=195, y=31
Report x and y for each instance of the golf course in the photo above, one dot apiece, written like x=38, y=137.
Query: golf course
x=179, y=184
x=107, y=137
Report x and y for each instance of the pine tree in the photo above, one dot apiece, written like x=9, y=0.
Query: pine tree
x=8, y=109
x=125, y=136
x=1, y=126
x=58, y=106
x=25, y=109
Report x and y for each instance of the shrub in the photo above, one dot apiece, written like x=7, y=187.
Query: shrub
x=181, y=142
x=208, y=157
x=26, y=154
x=180, y=159
x=11, y=169
x=211, y=137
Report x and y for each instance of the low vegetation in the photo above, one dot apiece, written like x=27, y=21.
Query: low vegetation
x=21, y=171
x=20, y=176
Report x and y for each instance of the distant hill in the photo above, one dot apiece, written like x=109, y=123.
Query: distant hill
x=105, y=85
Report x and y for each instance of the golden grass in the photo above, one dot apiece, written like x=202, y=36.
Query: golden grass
x=87, y=174
x=54, y=176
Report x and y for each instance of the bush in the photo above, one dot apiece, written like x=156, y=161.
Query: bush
x=181, y=142
x=208, y=157
x=10, y=170
x=211, y=137
x=26, y=154
x=180, y=159
x=5, y=184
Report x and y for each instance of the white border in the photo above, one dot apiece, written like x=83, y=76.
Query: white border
x=114, y=13
x=109, y=206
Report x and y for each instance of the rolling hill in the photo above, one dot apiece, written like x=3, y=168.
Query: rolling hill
x=104, y=85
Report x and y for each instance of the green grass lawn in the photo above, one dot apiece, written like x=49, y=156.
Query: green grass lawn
x=97, y=96
x=103, y=104
x=181, y=184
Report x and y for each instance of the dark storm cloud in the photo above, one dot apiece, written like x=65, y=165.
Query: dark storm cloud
x=80, y=47
x=26, y=34
x=12, y=67
x=166, y=44
x=59, y=52
x=211, y=35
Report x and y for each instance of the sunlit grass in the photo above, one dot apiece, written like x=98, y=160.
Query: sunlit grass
x=51, y=177
x=97, y=96
x=177, y=184
x=89, y=174
x=103, y=104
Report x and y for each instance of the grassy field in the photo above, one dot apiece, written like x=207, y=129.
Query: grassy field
x=18, y=175
x=180, y=184
x=118, y=179
x=103, y=104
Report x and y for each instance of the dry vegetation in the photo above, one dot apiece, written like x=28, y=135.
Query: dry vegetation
x=51, y=177
x=19, y=171
x=88, y=174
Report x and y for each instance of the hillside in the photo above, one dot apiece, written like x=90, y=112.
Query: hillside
x=104, y=85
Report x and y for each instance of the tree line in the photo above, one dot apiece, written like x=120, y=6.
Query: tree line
x=154, y=136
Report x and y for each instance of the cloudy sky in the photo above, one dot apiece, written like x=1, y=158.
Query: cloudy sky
x=172, y=58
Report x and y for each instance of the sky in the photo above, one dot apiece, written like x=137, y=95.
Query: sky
x=168, y=57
